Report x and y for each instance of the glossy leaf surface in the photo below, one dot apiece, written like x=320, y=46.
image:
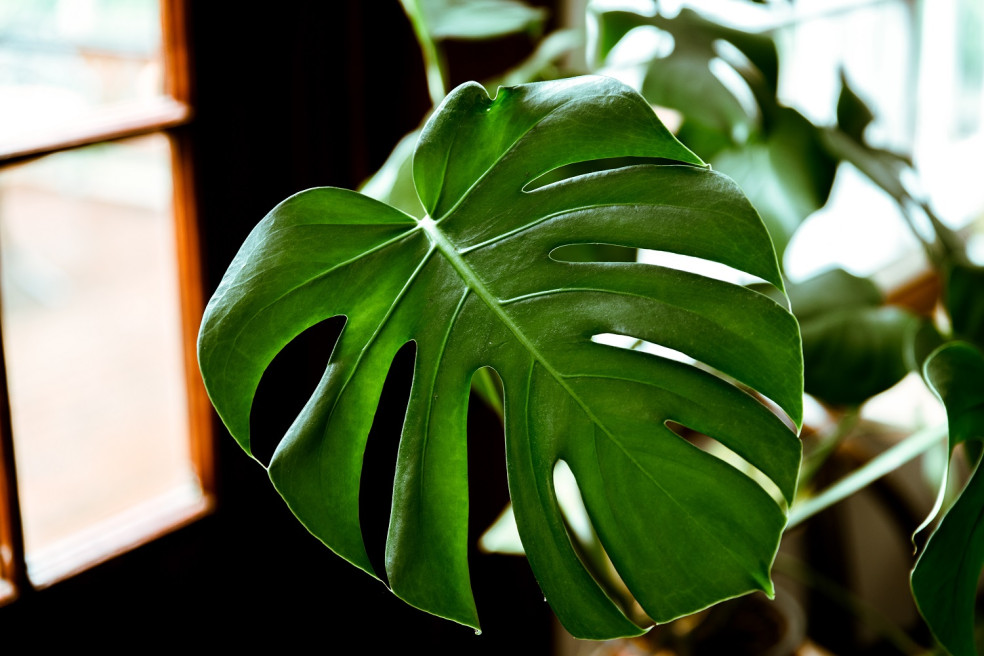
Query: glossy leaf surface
x=944, y=581
x=473, y=284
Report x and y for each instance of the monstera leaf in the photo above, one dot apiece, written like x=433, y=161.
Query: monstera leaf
x=854, y=346
x=685, y=78
x=786, y=172
x=474, y=284
x=945, y=578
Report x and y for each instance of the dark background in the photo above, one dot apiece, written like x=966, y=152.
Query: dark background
x=289, y=96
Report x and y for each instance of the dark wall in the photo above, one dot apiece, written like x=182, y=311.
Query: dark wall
x=294, y=96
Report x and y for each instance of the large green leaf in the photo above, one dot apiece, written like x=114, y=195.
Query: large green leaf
x=944, y=580
x=473, y=284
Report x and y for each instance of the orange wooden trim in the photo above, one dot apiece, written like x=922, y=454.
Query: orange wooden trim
x=192, y=307
x=919, y=294
x=111, y=124
x=13, y=568
x=178, y=84
x=135, y=527
x=177, y=60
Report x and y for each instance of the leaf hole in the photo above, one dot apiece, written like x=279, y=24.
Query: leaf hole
x=579, y=169
x=503, y=587
x=699, y=266
x=287, y=384
x=379, y=459
x=586, y=544
x=634, y=344
x=595, y=252
x=631, y=343
x=488, y=491
x=607, y=252
x=713, y=447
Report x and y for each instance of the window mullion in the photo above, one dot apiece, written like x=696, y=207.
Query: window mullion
x=13, y=567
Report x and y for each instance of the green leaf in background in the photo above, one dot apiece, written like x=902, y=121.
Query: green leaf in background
x=435, y=21
x=774, y=153
x=473, y=283
x=846, y=142
x=853, y=346
x=853, y=115
x=851, y=355
x=944, y=580
x=964, y=298
x=544, y=62
x=786, y=173
x=683, y=78
x=393, y=182
x=882, y=167
x=478, y=19
x=831, y=290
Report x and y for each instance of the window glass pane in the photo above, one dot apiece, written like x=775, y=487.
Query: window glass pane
x=92, y=337
x=65, y=60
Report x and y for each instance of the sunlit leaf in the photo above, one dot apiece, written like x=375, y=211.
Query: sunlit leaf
x=786, y=173
x=542, y=62
x=685, y=78
x=478, y=19
x=944, y=580
x=393, y=182
x=473, y=284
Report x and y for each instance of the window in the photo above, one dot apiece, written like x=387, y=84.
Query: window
x=104, y=427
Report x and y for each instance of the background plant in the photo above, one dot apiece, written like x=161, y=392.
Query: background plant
x=855, y=345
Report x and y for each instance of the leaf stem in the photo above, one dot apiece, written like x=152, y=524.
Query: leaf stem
x=435, y=66
x=884, y=463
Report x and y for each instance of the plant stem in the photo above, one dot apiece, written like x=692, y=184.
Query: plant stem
x=828, y=443
x=888, y=461
x=434, y=65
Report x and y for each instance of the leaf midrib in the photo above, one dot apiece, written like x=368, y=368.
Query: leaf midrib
x=448, y=250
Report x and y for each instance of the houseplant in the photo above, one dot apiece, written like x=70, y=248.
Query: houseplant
x=479, y=264
x=476, y=186
x=855, y=345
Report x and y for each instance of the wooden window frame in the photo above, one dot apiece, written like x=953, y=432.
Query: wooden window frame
x=169, y=115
